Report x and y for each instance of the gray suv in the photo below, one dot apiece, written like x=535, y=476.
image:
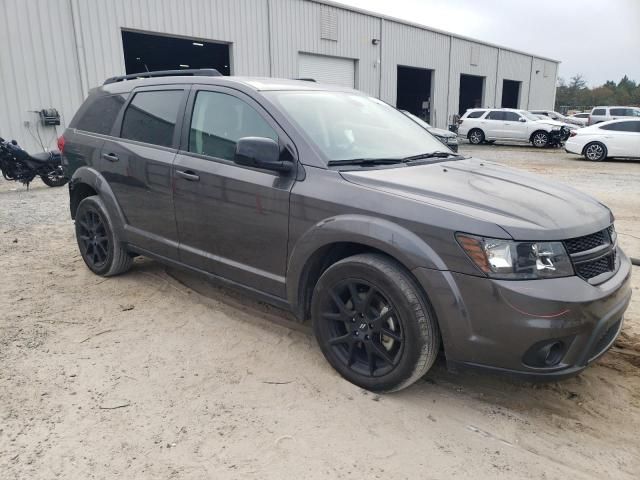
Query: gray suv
x=335, y=205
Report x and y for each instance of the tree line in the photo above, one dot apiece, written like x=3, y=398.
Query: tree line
x=577, y=95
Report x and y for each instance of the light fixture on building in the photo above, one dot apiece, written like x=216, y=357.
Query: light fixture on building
x=197, y=44
x=375, y=41
x=184, y=66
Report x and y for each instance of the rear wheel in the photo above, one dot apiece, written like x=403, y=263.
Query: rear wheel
x=595, y=151
x=100, y=247
x=540, y=139
x=476, y=136
x=55, y=178
x=373, y=324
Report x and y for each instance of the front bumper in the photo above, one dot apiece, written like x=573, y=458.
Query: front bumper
x=507, y=325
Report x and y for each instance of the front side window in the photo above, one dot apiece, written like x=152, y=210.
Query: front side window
x=495, y=115
x=219, y=120
x=347, y=126
x=151, y=117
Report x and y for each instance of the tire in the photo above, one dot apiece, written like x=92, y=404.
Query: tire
x=540, y=139
x=386, y=339
x=476, y=136
x=595, y=152
x=55, y=178
x=99, y=245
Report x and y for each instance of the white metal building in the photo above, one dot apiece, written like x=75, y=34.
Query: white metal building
x=71, y=46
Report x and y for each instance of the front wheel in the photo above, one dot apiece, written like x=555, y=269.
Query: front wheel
x=540, y=139
x=373, y=324
x=55, y=178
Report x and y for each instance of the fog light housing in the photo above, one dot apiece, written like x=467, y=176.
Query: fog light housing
x=547, y=353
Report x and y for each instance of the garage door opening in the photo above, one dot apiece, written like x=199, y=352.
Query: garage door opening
x=414, y=91
x=144, y=52
x=471, y=92
x=327, y=69
x=510, y=94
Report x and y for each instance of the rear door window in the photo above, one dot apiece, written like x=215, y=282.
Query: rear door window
x=151, y=117
x=622, y=126
x=599, y=111
x=619, y=111
x=219, y=120
x=476, y=114
x=99, y=113
x=495, y=115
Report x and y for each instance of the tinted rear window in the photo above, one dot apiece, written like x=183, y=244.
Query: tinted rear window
x=99, y=113
x=622, y=126
x=151, y=117
x=476, y=114
x=598, y=111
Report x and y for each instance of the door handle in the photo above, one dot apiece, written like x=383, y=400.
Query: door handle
x=112, y=157
x=188, y=175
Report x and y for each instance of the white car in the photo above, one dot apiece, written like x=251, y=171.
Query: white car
x=615, y=138
x=581, y=118
x=573, y=122
x=490, y=124
x=603, y=114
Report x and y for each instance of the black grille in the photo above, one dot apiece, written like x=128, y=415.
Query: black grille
x=594, y=268
x=587, y=242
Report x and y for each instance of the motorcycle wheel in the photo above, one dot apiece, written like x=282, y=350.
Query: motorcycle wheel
x=55, y=178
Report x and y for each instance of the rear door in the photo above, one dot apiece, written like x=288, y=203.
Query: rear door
x=137, y=163
x=232, y=220
x=622, y=138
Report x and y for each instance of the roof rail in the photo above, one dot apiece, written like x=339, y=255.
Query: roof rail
x=204, y=72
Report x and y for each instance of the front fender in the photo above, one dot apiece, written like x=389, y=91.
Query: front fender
x=93, y=178
x=384, y=235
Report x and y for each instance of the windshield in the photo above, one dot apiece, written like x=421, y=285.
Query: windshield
x=346, y=125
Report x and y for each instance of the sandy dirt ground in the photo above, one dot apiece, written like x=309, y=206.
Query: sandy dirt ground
x=153, y=375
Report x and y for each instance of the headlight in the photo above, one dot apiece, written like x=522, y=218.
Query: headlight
x=452, y=140
x=508, y=259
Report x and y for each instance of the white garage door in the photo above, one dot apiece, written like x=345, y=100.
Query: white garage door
x=334, y=70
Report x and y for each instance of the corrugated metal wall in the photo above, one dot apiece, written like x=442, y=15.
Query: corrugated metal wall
x=38, y=68
x=73, y=45
x=414, y=47
x=471, y=58
x=295, y=27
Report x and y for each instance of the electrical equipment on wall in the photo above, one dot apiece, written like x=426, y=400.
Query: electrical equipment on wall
x=49, y=116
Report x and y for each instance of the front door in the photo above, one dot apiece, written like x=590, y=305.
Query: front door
x=513, y=128
x=232, y=220
x=137, y=163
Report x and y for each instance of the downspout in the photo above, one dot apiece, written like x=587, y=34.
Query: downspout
x=380, y=46
x=81, y=61
x=495, y=92
x=530, y=81
x=269, y=37
x=449, y=84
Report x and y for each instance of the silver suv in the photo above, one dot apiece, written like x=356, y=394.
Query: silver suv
x=604, y=114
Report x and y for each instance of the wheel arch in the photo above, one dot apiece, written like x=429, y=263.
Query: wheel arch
x=339, y=237
x=86, y=182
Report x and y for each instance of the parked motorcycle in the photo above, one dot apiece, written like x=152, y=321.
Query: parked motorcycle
x=18, y=165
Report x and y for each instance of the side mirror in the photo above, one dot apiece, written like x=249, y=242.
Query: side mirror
x=259, y=152
x=522, y=119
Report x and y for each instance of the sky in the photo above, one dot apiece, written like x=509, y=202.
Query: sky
x=599, y=39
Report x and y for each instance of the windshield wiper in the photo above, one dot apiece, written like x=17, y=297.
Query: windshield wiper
x=367, y=161
x=436, y=154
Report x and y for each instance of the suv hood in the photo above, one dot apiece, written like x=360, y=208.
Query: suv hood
x=526, y=206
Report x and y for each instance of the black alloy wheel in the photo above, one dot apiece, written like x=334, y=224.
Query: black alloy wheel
x=362, y=327
x=93, y=239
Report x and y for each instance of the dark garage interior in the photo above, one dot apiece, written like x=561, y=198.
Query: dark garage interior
x=414, y=91
x=471, y=92
x=510, y=93
x=144, y=52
